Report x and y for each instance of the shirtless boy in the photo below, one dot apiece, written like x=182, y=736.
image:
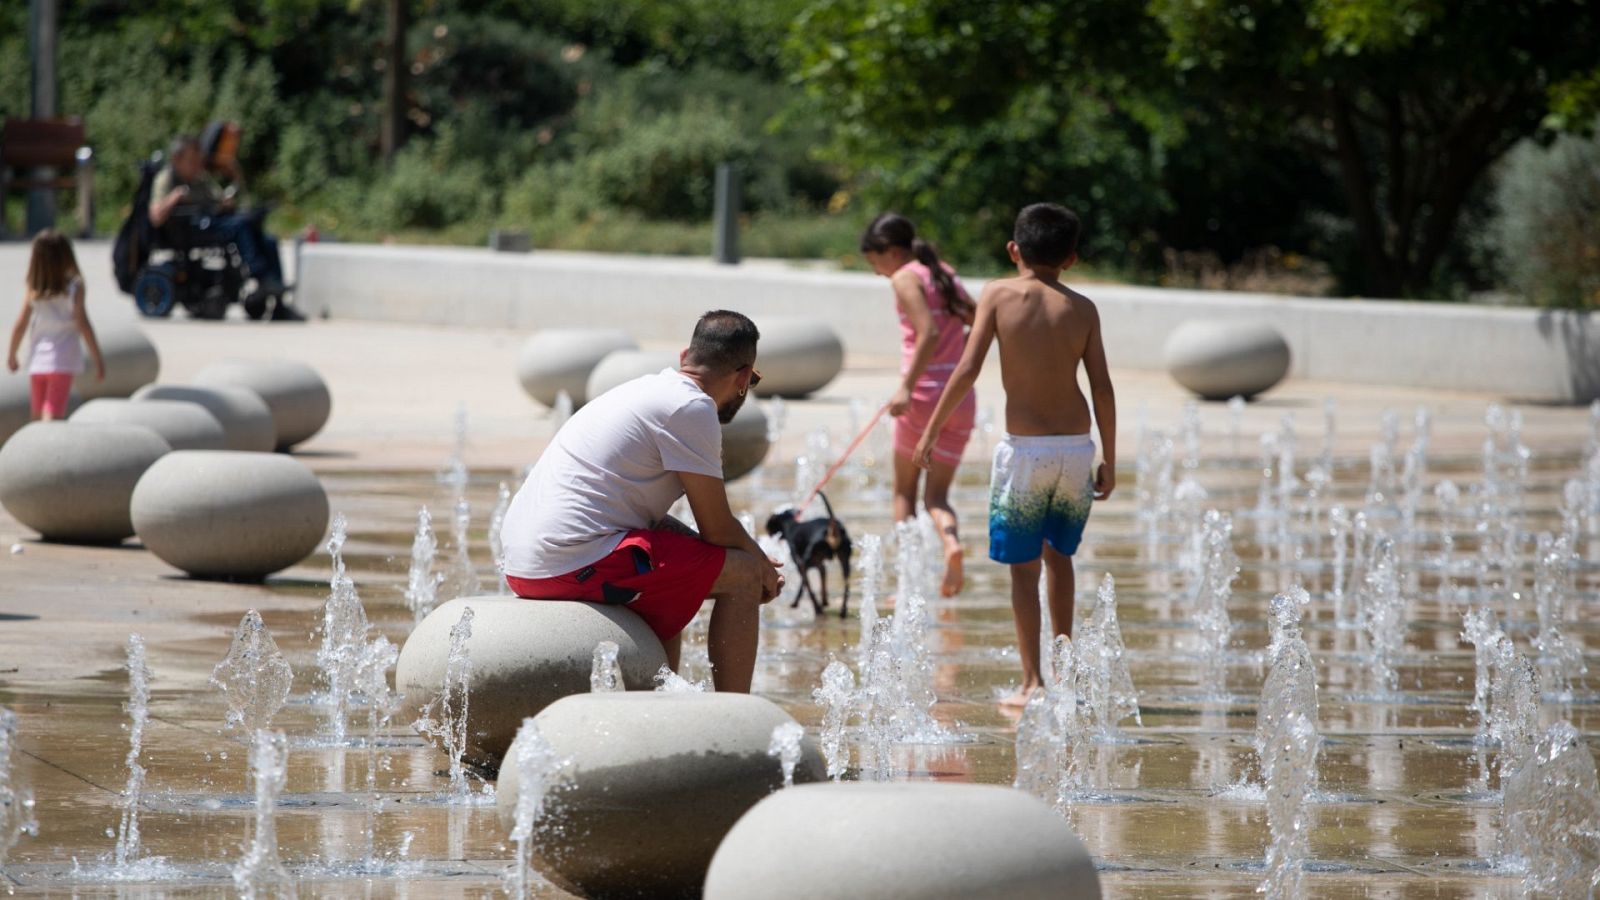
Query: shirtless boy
x=1045, y=476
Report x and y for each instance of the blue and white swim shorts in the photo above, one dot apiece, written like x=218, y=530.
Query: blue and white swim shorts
x=1040, y=492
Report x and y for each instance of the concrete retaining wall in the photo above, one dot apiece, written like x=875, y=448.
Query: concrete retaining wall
x=1516, y=353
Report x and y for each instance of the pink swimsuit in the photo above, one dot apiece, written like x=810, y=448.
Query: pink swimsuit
x=908, y=428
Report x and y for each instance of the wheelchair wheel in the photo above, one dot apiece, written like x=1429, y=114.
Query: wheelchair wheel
x=155, y=293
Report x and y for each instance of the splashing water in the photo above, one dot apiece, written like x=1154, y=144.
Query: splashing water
x=1154, y=486
x=138, y=707
x=785, y=747
x=1560, y=656
x=1108, y=690
x=261, y=870
x=16, y=800
x=1383, y=612
x=870, y=565
x=1290, y=688
x=837, y=695
x=422, y=584
x=1236, y=406
x=539, y=770
x=497, y=547
x=1448, y=498
x=605, y=674
x=1054, y=735
x=445, y=717
x=461, y=579
x=254, y=676
x=1290, y=764
x=1551, y=817
x=563, y=408
x=344, y=637
x=670, y=682
x=1212, y=593
x=1513, y=707
x=454, y=473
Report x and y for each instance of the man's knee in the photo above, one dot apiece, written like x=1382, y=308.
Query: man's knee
x=740, y=578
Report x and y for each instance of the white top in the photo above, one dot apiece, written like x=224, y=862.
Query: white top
x=611, y=469
x=53, y=334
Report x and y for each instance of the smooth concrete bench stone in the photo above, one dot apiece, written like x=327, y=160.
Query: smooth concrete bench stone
x=229, y=514
x=245, y=419
x=71, y=481
x=797, y=356
x=902, y=841
x=1222, y=360
x=131, y=361
x=16, y=409
x=526, y=654
x=561, y=359
x=744, y=441
x=656, y=781
x=183, y=425
x=296, y=394
x=622, y=366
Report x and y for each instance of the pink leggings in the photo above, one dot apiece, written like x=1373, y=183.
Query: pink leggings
x=49, y=392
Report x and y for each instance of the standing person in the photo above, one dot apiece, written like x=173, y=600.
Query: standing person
x=1045, y=478
x=54, y=319
x=591, y=522
x=935, y=311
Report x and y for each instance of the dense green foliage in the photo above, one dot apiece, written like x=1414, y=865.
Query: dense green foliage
x=1264, y=137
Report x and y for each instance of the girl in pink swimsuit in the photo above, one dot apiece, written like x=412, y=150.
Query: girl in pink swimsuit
x=935, y=311
x=56, y=325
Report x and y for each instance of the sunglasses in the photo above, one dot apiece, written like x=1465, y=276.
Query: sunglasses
x=755, y=376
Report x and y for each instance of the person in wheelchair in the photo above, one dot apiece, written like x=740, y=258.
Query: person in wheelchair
x=185, y=195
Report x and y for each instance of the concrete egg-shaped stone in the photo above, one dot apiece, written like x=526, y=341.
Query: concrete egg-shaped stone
x=73, y=482
x=1221, y=360
x=131, y=360
x=906, y=840
x=183, y=425
x=229, y=514
x=622, y=366
x=245, y=419
x=561, y=359
x=296, y=394
x=797, y=356
x=744, y=441
x=526, y=654
x=656, y=782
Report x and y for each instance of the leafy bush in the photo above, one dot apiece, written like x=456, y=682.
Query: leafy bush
x=1548, y=230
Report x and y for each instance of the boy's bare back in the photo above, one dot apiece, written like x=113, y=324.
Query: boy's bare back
x=1045, y=330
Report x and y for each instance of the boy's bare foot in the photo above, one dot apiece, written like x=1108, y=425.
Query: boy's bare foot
x=1020, y=697
x=954, y=576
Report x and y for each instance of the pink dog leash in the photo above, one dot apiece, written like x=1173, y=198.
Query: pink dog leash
x=838, y=463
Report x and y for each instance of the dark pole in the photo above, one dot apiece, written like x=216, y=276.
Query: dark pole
x=42, y=39
x=725, y=225
x=395, y=71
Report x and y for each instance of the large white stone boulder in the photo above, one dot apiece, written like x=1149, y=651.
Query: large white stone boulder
x=797, y=356
x=296, y=394
x=245, y=419
x=131, y=360
x=15, y=403
x=656, y=781
x=229, y=514
x=906, y=841
x=183, y=425
x=73, y=482
x=621, y=366
x=1221, y=360
x=526, y=654
x=744, y=441
x=561, y=359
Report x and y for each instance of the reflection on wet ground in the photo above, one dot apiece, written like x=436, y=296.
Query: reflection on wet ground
x=1399, y=811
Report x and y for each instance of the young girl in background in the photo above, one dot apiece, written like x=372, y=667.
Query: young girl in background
x=53, y=306
x=935, y=311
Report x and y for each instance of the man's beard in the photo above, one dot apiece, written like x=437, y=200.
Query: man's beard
x=727, y=411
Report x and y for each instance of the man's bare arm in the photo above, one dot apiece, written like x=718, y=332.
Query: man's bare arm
x=670, y=524
x=963, y=378
x=708, y=499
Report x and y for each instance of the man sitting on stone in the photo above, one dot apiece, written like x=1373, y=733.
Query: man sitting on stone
x=184, y=186
x=591, y=522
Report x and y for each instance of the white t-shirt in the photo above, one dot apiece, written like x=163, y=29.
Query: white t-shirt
x=611, y=469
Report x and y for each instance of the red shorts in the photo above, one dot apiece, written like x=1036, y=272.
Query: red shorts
x=661, y=575
x=48, y=392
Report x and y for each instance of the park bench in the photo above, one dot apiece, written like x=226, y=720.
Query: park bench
x=28, y=146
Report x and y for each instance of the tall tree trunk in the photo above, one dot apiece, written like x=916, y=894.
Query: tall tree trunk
x=1360, y=190
x=396, y=68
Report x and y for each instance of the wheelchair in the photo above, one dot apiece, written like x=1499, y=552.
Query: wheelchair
x=180, y=263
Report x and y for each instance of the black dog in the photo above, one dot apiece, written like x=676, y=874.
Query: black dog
x=812, y=543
